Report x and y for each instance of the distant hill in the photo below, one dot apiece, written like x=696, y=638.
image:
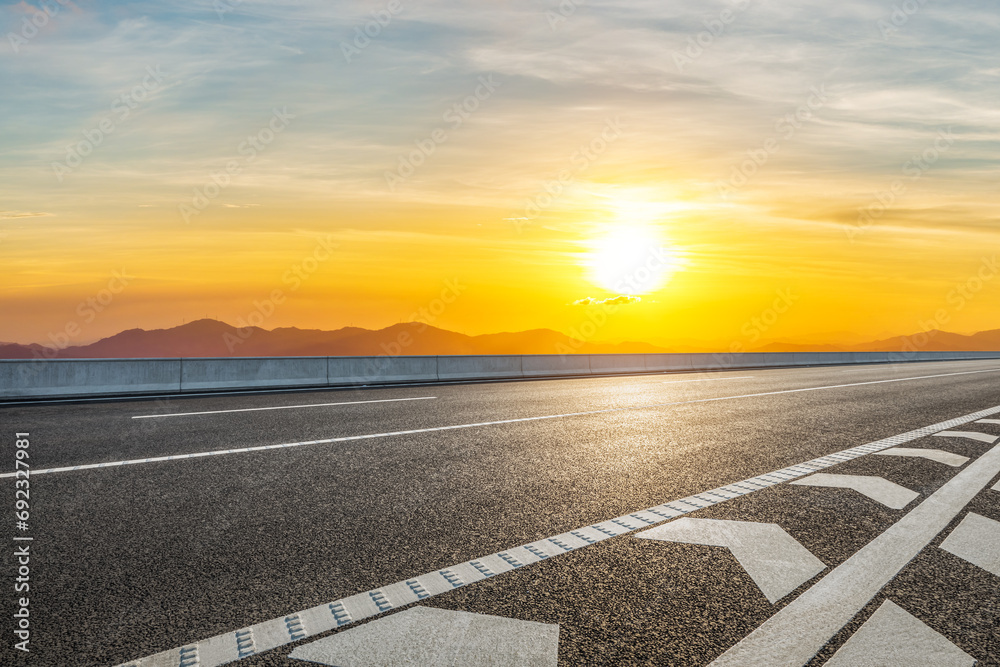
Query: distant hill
x=210, y=338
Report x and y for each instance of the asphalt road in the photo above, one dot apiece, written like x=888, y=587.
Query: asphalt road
x=129, y=561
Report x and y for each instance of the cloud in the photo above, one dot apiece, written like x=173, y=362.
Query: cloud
x=13, y=215
x=620, y=300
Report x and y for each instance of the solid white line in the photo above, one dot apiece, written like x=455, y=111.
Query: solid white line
x=283, y=407
x=794, y=635
x=740, y=377
x=349, y=438
x=226, y=647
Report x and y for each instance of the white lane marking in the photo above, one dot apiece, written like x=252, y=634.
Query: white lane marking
x=284, y=407
x=938, y=455
x=995, y=487
x=988, y=421
x=976, y=540
x=741, y=377
x=349, y=438
x=969, y=435
x=878, y=489
x=775, y=560
x=430, y=636
x=893, y=636
x=797, y=632
x=224, y=647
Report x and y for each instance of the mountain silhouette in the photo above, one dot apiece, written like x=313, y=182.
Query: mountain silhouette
x=211, y=338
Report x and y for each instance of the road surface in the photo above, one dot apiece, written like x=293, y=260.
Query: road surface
x=791, y=516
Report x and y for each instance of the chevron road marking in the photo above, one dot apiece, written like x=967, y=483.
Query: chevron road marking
x=976, y=540
x=775, y=561
x=429, y=636
x=939, y=455
x=894, y=637
x=878, y=489
x=969, y=435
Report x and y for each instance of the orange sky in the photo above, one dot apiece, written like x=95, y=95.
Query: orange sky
x=586, y=165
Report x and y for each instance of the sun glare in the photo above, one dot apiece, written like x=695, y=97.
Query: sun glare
x=631, y=260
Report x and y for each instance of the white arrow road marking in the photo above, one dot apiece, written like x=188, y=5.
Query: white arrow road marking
x=971, y=435
x=428, y=636
x=976, y=540
x=775, y=561
x=232, y=646
x=878, y=489
x=995, y=487
x=988, y=421
x=894, y=637
x=939, y=455
x=797, y=632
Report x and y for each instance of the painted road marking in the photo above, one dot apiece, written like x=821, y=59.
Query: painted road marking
x=775, y=560
x=350, y=438
x=878, y=489
x=939, y=455
x=429, y=636
x=988, y=421
x=284, y=407
x=797, y=632
x=741, y=377
x=892, y=636
x=360, y=606
x=969, y=435
x=976, y=540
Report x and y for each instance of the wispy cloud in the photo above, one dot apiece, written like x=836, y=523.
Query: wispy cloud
x=620, y=300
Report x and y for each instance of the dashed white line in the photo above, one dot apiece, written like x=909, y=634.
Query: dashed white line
x=284, y=407
x=224, y=648
x=349, y=438
x=741, y=377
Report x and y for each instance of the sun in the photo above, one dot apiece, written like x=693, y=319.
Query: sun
x=631, y=260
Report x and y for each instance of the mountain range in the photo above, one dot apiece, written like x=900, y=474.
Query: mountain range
x=210, y=338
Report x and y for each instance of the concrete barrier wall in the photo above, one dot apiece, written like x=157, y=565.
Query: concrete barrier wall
x=24, y=379
x=88, y=377
x=479, y=367
x=253, y=372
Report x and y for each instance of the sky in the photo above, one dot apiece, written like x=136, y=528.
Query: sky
x=722, y=172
